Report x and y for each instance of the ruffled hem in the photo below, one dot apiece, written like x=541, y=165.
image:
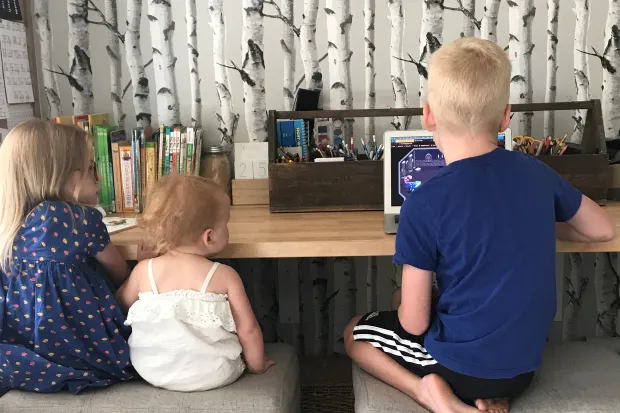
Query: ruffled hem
x=191, y=307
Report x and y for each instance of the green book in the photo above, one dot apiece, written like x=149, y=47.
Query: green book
x=103, y=161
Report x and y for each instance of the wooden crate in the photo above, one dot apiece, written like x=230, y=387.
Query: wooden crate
x=588, y=173
x=336, y=186
x=250, y=192
x=355, y=186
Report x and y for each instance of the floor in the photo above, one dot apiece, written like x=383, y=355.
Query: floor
x=326, y=385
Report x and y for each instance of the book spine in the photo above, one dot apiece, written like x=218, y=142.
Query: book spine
x=160, y=158
x=167, y=152
x=183, y=153
x=198, y=152
x=142, y=166
x=127, y=178
x=174, y=151
x=190, y=150
x=109, y=169
x=116, y=167
x=151, y=172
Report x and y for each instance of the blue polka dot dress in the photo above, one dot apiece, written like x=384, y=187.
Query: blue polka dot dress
x=60, y=325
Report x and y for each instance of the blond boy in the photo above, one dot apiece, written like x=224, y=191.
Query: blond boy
x=486, y=225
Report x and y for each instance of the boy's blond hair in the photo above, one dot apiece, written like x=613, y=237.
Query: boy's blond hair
x=469, y=86
x=37, y=159
x=179, y=209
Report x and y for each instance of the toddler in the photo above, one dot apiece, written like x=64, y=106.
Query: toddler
x=60, y=326
x=191, y=318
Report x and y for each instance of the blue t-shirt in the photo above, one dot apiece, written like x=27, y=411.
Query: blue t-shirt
x=486, y=226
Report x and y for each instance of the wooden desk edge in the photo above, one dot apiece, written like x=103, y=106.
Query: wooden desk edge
x=311, y=249
x=291, y=249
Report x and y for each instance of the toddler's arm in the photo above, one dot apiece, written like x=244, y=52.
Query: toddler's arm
x=127, y=294
x=248, y=330
x=114, y=263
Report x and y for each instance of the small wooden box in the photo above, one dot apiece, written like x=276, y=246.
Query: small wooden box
x=588, y=173
x=250, y=191
x=337, y=186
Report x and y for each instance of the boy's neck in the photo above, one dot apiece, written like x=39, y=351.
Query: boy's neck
x=456, y=147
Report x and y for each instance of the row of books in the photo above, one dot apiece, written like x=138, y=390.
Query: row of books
x=293, y=140
x=128, y=166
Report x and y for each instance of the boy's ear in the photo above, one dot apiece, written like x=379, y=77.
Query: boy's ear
x=428, y=119
x=505, y=124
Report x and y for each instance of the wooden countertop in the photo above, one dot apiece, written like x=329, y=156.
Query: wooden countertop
x=256, y=233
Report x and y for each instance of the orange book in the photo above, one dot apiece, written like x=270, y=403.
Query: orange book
x=67, y=120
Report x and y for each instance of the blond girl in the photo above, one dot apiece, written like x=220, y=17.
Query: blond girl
x=60, y=326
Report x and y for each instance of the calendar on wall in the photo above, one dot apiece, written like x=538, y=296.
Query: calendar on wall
x=251, y=160
x=10, y=10
x=15, y=64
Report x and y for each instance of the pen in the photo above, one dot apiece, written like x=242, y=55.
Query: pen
x=374, y=144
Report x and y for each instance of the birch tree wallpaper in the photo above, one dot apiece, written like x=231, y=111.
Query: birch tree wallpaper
x=221, y=64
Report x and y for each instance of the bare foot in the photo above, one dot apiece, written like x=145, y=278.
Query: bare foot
x=436, y=395
x=493, y=405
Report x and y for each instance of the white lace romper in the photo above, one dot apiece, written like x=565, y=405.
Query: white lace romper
x=184, y=340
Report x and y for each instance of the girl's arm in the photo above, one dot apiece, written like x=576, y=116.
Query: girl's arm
x=248, y=330
x=114, y=263
x=127, y=294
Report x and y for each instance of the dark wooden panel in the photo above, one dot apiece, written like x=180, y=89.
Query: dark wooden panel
x=337, y=186
x=588, y=173
x=376, y=113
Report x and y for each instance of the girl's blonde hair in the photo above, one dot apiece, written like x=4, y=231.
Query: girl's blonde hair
x=37, y=159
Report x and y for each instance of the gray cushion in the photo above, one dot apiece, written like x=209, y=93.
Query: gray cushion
x=276, y=391
x=574, y=378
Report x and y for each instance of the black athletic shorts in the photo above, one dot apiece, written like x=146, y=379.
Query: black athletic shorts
x=383, y=330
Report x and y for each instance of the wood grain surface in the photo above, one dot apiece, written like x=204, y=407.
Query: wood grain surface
x=256, y=233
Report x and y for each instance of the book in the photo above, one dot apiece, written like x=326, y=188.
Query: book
x=190, y=151
x=301, y=138
x=147, y=135
x=97, y=119
x=160, y=158
x=104, y=167
x=286, y=133
x=198, y=152
x=126, y=177
x=66, y=120
x=167, y=152
x=116, y=167
x=117, y=136
x=150, y=168
x=136, y=168
x=183, y=153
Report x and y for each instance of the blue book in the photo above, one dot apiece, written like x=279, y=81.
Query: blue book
x=301, y=137
x=286, y=133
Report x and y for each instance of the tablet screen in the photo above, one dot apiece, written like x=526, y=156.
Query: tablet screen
x=414, y=160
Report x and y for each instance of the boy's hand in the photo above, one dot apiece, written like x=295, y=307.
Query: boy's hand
x=267, y=362
x=145, y=253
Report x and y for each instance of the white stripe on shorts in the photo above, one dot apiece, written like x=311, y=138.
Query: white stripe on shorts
x=407, y=343
x=372, y=337
x=399, y=354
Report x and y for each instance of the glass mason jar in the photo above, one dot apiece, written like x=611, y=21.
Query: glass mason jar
x=215, y=165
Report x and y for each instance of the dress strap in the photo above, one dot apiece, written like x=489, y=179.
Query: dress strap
x=205, y=284
x=151, y=278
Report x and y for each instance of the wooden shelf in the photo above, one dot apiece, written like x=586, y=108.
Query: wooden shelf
x=256, y=233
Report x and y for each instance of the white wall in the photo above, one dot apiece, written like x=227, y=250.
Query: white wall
x=274, y=56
